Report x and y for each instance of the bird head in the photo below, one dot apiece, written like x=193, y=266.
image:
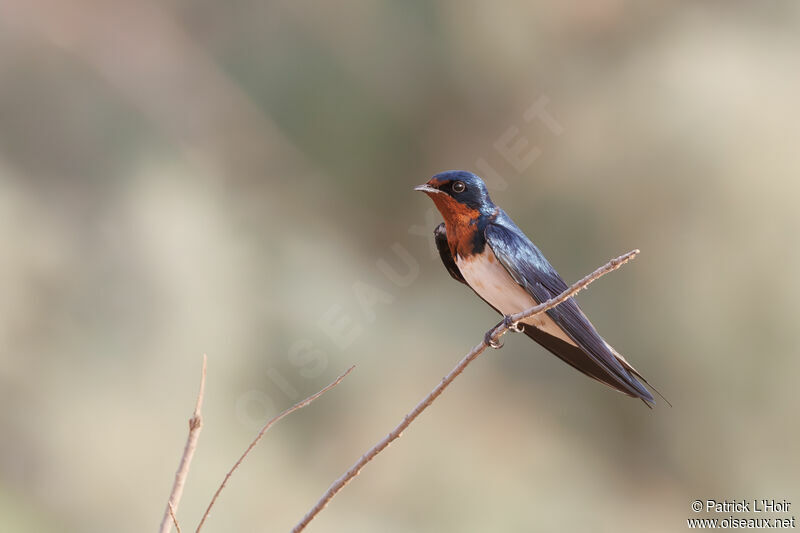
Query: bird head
x=458, y=194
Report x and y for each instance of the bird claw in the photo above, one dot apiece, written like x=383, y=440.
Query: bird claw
x=507, y=325
x=513, y=326
x=491, y=342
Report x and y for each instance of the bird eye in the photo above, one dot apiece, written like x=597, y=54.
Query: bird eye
x=459, y=186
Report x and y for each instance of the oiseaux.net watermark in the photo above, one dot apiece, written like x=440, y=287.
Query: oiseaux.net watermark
x=750, y=514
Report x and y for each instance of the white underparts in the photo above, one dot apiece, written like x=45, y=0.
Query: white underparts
x=489, y=278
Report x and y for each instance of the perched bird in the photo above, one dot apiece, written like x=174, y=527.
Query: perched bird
x=481, y=247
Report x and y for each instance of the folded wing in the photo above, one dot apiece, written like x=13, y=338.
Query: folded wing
x=531, y=270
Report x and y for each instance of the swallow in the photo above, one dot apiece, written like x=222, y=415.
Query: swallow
x=482, y=248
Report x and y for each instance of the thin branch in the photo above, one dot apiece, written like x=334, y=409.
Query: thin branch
x=195, y=425
x=501, y=328
x=264, y=429
x=492, y=335
x=174, y=518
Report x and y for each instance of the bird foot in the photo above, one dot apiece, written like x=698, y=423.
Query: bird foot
x=492, y=342
x=513, y=326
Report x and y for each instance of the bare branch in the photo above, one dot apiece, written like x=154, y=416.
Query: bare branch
x=174, y=518
x=501, y=328
x=195, y=425
x=493, y=334
x=263, y=430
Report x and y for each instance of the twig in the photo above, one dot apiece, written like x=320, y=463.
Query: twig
x=174, y=518
x=264, y=429
x=195, y=425
x=500, y=329
x=493, y=334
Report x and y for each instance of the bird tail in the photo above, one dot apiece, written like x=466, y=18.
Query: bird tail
x=577, y=358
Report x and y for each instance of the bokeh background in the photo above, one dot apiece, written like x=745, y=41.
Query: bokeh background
x=235, y=178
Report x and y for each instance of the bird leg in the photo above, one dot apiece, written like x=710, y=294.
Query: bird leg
x=491, y=341
x=507, y=325
x=513, y=326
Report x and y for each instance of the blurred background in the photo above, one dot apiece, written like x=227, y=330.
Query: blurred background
x=180, y=178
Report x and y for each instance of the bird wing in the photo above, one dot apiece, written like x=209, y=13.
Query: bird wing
x=531, y=270
x=569, y=353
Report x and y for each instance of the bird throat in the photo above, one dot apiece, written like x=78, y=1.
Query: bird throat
x=464, y=225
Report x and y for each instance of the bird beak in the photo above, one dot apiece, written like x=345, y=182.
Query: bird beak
x=426, y=188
